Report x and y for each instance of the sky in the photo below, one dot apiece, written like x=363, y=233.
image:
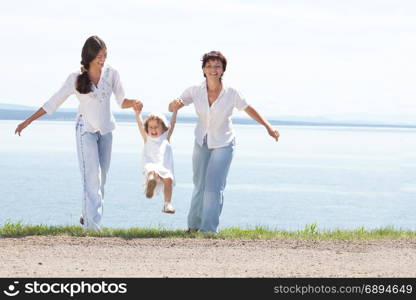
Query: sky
x=301, y=58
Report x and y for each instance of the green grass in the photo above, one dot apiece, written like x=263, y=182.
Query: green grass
x=258, y=232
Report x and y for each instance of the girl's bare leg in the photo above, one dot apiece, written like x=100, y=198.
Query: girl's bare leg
x=167, y=184
x=151, y=184
x=167, y=189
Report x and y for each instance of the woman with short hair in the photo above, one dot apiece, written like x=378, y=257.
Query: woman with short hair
x=214, y=140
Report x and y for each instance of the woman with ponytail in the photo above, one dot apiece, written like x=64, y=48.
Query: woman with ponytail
x=94, y=123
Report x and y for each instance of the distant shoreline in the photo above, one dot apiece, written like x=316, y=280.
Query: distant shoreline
x=20, y=114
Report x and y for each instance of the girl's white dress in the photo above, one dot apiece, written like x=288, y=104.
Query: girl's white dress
x=158, y=157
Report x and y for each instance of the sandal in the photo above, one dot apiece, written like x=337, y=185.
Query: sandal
x=168, y=208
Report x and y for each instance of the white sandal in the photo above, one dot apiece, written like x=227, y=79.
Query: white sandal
x=168, y=208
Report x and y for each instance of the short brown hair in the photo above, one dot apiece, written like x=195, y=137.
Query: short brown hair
x=157, y=119
x=214, y=55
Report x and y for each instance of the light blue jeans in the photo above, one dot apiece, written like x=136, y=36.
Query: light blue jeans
x=94, y=155
x=210, y=170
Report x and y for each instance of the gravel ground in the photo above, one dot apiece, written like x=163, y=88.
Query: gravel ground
x=63, y=256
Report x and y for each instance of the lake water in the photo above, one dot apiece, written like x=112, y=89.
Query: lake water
x=339, y=177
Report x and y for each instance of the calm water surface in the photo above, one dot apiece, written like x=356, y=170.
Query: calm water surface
x=339, y=177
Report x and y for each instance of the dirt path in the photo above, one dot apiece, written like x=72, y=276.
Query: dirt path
x=114, y=257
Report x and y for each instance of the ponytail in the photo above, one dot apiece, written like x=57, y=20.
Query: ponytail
x=89, y=52
x=83, y=82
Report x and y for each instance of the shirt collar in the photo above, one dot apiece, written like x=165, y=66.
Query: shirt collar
x=204, y=86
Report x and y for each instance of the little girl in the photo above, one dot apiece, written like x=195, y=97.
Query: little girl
x=157, y=156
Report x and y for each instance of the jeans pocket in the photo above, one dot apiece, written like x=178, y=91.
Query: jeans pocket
x=233, y=143
x=79, y=127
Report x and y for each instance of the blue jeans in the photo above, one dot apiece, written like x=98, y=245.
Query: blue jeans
x=94, y=155
x=210, y=170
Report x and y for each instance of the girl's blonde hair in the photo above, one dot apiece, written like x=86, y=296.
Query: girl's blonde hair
x=159, y=118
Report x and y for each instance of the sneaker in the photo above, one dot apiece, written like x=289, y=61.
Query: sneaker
x=150, y=188
x=168, y=208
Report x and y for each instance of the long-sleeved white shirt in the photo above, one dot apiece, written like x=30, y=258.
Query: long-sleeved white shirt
x=94, y=106
x=214, y=121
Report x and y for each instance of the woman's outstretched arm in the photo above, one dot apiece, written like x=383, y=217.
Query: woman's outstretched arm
x=132, y=103
x=257, y=117
x=39, y=113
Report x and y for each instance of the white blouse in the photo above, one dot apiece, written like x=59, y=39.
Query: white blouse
x=94, y=106
x=215, y=121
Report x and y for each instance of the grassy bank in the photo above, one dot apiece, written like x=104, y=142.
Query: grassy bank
x=309, y=232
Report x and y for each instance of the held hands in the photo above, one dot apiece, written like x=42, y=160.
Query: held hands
x=137, y=106
x=132, y=103
x=175, y=105
x=273, y=133
x=21, y=126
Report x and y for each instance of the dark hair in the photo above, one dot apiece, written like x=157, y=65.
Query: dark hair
x=92, y=46
x=214, y=55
